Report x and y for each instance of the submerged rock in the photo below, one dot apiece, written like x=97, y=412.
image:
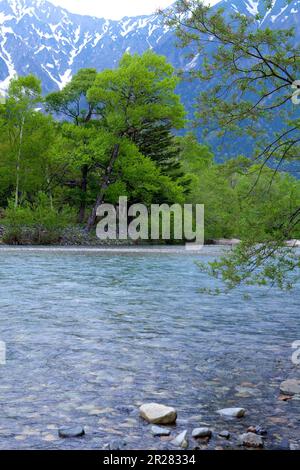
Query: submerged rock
x=160, y=432
x=76, y=431
x=250, y=439
x=158, y=414
x=290, y=387
x=181, y=440
x=257, y=430
x=232, y=412
x=199, y=433
x=115, y=445
x=224, y=434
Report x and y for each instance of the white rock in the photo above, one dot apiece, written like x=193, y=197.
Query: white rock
x=290, y=387
x=250, y=439
x=158, y=432
x=181, y=440
x=232, y=412
x=76, y=431
x=201, y=432
x=155, y=413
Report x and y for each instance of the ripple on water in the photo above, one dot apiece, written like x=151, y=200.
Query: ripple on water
x=91, y=335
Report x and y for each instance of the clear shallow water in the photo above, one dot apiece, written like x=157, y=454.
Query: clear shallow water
x=92, y=335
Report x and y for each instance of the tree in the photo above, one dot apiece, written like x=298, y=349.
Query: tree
x=136, y=98
x=252, y=71
x=26, y=138
x=72, y=103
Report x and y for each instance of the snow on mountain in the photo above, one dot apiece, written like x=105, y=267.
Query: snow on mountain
x=37, y=37
x=282, y=15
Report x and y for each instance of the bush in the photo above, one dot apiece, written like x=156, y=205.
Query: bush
x=37, y=224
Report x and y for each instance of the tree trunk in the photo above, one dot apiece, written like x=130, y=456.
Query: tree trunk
x=104, y=185
x=19, y=163
x=83, y=187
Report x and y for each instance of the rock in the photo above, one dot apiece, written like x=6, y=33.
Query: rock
x=290, y=387
x=257, y=430
x=224, y=434
x=126, y=409
x=294, y=446
x=245, y=392
x=76, y=431
x=115, y=445
x=181, y=440
x=232, y=412
x=158, y=414
x=199, y=433
x=251, y=440
x=160, y=432
x=285, y=397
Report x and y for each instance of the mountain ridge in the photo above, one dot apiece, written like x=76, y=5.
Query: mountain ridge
x=49, y=41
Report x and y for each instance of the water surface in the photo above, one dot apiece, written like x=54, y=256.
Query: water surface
x=91, y=335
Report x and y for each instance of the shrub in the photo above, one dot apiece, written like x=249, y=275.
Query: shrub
x=36, y=223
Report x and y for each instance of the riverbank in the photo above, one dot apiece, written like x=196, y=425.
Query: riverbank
x=78, y=238
x=208, y=250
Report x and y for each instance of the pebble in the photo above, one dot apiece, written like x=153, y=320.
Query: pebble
x=232, y=412
x=250, y=439
x=76, y=431
x=225, y=434
x=201, y=432
x=115, y=445
x=155, y=413
x=181, y=440
x=160, y=432
x=290, y=387
x=257, y=430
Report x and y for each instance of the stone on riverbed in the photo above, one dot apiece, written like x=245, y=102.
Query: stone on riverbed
x=225, y=434
x=160, y=432
x=158, y=414
x=290, y=387
x=181, y=441
x=76, y=431
x=115, y=445
x=232, y=412
x=257, y=430
x=250, y=439
x=199, y=433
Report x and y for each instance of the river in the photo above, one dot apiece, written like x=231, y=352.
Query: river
x=92, y=334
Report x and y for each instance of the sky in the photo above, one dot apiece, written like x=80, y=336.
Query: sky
x=112, y=9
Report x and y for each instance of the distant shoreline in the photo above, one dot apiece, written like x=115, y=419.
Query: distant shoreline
x=206, y=250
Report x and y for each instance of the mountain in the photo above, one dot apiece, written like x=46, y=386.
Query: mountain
x=37, y=37
x=52, y=43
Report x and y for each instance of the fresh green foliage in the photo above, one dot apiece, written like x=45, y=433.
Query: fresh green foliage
x=252, y=73
x=36, y=223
